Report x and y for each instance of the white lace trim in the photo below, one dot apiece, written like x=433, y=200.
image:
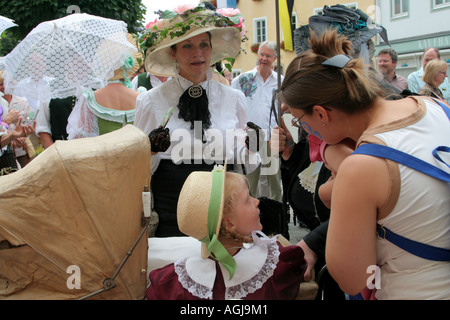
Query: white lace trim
x=196, y=289
x=238, y=291
x=243, y=289
x=308, y=177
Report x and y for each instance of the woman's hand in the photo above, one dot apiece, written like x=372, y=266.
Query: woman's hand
x=159, y=140
x=12, y=116
x=18, y=143
x=24, y=130
x=310, y=258
x=19, y=132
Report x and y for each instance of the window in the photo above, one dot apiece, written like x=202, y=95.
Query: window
x=260, y=30
x=294, y=20
x=438, y=4
x=400, y=8
x=236, y=72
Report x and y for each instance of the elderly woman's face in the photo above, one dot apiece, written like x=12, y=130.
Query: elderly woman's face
x=194, y=57
x=440, y=76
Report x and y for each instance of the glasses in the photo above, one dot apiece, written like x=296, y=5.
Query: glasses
x=443, y=72
x=296, y=121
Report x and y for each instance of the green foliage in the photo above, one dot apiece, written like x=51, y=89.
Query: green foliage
x=191, y=18
x=27, y=14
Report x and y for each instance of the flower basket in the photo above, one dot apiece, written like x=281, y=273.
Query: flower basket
x=255, y=47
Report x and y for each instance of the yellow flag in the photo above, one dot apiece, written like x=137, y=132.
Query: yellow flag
x=285, y=19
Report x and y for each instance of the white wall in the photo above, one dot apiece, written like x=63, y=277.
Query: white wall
x=422, y=20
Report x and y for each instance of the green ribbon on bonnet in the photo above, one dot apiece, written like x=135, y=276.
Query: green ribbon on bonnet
x=127, y=65
x=215, y=247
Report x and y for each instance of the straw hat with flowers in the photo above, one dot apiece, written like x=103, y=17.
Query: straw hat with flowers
x=177, y=26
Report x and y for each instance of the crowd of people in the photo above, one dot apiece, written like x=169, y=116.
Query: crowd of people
x=208, y=189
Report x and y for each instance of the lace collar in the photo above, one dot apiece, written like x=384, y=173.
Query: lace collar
x=185, y=83
x=255, y=265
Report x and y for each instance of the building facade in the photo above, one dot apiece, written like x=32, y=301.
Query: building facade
x=260, y=21
x=412, y=27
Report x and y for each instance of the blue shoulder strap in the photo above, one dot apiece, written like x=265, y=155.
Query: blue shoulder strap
x=378, y=150
x=417, y=248
x=443, y=106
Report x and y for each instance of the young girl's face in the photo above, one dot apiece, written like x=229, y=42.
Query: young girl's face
x=245, y=217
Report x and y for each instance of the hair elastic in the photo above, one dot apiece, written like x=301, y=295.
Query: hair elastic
x=339, y=61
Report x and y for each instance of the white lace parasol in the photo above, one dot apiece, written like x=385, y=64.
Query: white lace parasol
x=74, y=51
x=6, y=23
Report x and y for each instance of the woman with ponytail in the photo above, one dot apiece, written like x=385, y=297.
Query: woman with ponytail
x=336, y=98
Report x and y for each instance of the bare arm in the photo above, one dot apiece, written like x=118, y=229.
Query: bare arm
x=360, y=189
x=46, y=139
x=334, y=155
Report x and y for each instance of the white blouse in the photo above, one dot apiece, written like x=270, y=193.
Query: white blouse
x=225, y=137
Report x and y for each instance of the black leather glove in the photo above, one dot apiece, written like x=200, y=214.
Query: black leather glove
x=159, y=139
x=255, y=137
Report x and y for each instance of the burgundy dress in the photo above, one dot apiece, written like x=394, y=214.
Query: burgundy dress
x=265, y=272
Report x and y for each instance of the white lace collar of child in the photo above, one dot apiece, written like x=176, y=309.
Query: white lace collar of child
x=255, y=265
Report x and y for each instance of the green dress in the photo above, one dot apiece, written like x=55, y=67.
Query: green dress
x=90, y=119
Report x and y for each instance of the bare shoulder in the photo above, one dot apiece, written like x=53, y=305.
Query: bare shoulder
x=366, y=176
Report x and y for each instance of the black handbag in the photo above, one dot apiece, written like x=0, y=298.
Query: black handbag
x=8, y=162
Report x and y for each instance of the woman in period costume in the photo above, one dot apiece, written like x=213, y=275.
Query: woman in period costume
x=109, y=108
x=209, y=118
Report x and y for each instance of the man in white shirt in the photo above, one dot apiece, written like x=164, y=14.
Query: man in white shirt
x=258, y=86
x=415, y=82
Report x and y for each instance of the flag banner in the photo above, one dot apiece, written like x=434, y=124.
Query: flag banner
x=285, y=9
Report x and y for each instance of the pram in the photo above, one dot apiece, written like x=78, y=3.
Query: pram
x=71, y=221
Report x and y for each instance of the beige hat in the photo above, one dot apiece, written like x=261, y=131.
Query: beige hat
x=200, y=212
x=156, y=42
x=130, y=66
x=196, y=198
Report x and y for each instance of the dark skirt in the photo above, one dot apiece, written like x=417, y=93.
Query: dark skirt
x=166, y=183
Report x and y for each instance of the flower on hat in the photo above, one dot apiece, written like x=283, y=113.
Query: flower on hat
x=228, y=12
x=160, y=29
x=150, y=24
x=183, y=8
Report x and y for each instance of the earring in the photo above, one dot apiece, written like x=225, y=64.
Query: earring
x=323, y=124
